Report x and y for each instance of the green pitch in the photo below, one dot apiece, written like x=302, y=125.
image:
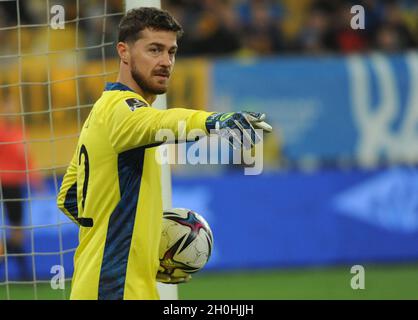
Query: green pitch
x=381, y=282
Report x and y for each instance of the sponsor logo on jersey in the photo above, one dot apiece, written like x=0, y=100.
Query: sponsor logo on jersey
x=134, y=103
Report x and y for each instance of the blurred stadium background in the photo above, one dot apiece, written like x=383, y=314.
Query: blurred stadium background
x=340, y=183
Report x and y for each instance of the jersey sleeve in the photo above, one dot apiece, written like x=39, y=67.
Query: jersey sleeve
x=67, y=196
x=135, y=127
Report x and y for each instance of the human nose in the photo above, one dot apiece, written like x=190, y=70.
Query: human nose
x=167, y=60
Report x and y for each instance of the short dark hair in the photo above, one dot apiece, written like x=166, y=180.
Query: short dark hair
x=139, y=19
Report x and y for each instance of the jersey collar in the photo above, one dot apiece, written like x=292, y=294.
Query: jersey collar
x=116, y=86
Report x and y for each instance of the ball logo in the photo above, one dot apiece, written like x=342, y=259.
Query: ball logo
x=193, y=223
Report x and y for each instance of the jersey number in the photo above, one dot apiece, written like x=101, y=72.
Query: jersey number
x=85, y=222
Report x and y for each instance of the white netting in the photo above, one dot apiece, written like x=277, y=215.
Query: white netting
x=49, y=80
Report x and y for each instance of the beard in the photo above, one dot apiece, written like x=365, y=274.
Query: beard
x=146, y=84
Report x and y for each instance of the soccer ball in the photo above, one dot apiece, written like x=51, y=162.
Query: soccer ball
x=186, y=242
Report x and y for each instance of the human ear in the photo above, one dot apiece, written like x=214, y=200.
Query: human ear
x=123, y=52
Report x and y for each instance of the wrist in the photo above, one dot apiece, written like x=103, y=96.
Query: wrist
x=210, y=123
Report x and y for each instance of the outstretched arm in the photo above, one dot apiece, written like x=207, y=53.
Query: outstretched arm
x=140, y=127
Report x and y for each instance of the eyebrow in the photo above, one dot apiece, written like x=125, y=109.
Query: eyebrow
x=160, y=45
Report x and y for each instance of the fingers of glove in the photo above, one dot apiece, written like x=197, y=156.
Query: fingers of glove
x=255, y=116
x=264, y=126
x=254, y=135
x=235, y=137
x=254, y=121
x=250, y=134
x=163, y=277
x=248, y=142
x=177, y=280
x=167, y=279
x=262, y=117
x=228, y=134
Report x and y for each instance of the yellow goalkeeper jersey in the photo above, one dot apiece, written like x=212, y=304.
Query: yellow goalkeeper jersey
x=112, y=190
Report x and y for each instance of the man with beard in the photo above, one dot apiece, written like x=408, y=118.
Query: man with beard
x=112, y=187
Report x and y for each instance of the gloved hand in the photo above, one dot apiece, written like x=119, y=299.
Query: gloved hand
x=236, y=124
x=181, y=277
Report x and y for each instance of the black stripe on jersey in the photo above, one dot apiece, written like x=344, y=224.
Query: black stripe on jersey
x=121, y=225
x=70, y=202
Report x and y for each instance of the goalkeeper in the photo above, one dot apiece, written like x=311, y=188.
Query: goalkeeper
x=112, y=187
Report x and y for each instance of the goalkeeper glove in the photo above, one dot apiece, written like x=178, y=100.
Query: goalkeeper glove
x=169, y=279
x=229, y=124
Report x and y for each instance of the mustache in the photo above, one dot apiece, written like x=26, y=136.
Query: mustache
x=162, y=72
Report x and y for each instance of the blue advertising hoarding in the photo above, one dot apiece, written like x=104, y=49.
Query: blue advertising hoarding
x=274, y=220
x=361, y=108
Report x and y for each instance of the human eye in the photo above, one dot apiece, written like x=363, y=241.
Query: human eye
x=154, y=50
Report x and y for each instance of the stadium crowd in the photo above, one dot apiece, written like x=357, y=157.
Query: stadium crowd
x=265, y=27
x=248, y=27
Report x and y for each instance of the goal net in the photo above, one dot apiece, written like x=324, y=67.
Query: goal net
x=55, y=59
